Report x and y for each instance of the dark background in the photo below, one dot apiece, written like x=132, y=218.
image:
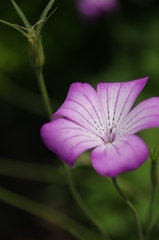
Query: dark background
x=118, y=46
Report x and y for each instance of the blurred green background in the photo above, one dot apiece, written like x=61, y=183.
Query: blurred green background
x=116, y=47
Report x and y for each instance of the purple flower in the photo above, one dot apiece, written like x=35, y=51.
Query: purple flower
x=102, y=121
x=93, y=8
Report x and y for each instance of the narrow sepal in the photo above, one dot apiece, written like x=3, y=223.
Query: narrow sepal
x=44, y=15
x=21, y=14
x=15, y=27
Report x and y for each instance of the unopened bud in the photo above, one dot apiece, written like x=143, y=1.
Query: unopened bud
x=36, y=53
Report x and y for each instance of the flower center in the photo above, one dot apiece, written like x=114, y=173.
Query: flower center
x=110, y=136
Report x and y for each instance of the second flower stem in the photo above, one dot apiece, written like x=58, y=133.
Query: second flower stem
x=132, y=208
x=81, y=203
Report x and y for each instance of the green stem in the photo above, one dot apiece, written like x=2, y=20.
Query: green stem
x=150, y=212
x=132, y=208
x=44, y=212
x=40, y=79
x=81, y=203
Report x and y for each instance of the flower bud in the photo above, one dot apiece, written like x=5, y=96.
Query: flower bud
x=36, y=53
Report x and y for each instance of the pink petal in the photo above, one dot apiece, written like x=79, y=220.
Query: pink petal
x=124, y=154
x=117, y=100
x=95, y=7
x=83, y=106
x=67, y=139
x=144, y=115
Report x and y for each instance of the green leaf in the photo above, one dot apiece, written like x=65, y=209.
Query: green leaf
x=44, y=14
x=15, y=27
x=22, y=16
